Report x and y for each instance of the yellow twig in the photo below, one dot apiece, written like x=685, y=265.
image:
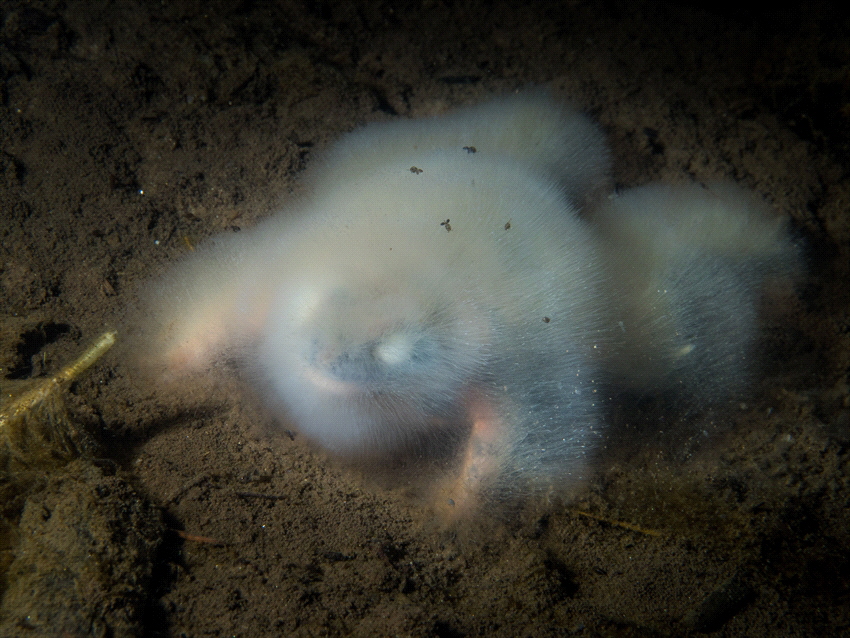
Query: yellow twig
x=629, y=526
x=28, y=400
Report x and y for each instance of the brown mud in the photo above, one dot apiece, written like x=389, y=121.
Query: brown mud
x=133, y=130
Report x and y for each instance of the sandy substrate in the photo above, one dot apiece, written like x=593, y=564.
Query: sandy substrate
x=131, y=133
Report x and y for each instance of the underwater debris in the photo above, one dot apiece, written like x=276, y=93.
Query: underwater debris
x=77, y=543
x=34, y=426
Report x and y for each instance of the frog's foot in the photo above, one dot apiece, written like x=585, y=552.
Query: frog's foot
x=482, y=459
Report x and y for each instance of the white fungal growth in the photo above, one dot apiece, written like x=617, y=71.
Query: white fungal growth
x=377, y=332
x=685, y=267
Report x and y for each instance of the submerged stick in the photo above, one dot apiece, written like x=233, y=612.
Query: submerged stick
x=28, y=400
x=35, y=426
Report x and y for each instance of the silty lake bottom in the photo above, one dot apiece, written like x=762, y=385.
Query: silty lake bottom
x=133, y=132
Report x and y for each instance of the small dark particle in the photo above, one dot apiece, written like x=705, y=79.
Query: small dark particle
x=653, y=142
x=447, y=225
x=470, y=149
x=415, y=170
x=546, y=320
x=268, y=497
x=508, y=225
x=460, y=79
x=336, y=557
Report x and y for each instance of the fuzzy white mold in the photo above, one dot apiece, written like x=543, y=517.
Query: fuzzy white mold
x=436, y=286
x=437, y=289
x=687, y=266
